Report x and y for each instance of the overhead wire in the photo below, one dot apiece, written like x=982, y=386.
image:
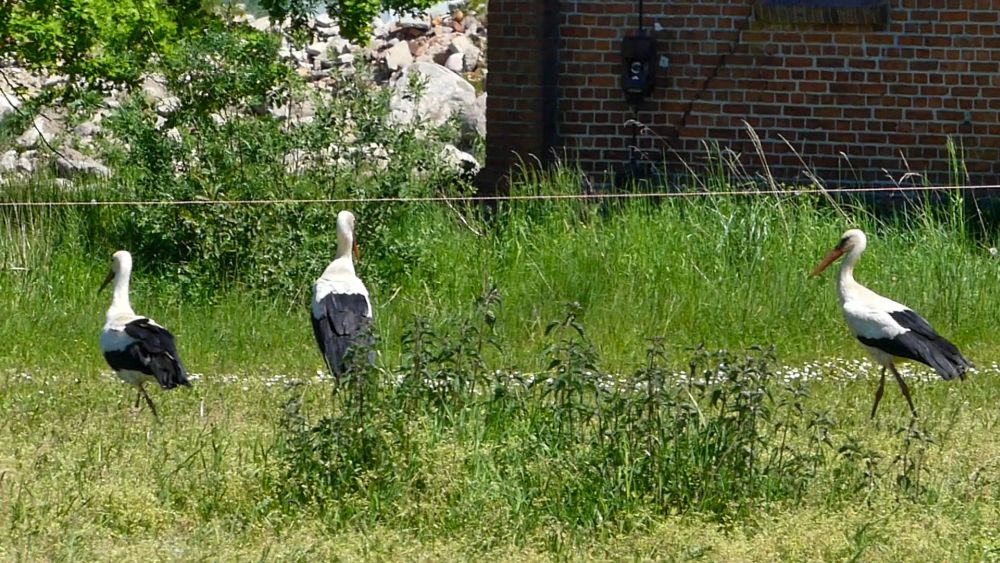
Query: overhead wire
x=500, y=198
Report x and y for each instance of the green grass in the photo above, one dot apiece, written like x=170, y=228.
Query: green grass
x=83, y=478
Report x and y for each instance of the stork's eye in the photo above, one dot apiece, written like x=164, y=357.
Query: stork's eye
x=842, y=243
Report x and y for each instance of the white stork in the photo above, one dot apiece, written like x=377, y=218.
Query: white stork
x=887, y=330
x=341, y=310
x=138, y=349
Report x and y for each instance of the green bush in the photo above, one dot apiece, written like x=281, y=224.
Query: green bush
x=215, y=145
x=97, y=42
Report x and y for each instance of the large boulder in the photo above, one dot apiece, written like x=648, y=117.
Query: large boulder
x=43, y=130
x=440, y=94
x=72, y=163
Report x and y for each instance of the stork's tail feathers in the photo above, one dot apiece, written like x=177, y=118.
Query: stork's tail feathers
x=940, y=354
x=949, y=363
x=169, y=372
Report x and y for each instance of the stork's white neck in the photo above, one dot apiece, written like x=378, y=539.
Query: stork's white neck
x=343, y=263
x=845, y=277
x=119, y=296
x=345, y=243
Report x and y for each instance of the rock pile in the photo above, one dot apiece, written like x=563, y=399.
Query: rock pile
x=445, y=48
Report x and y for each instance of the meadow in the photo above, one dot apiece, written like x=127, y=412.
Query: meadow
x=555, y=380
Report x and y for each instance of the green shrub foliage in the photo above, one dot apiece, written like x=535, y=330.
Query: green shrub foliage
x=215, y=144
x=97, y=42
x=575, y=444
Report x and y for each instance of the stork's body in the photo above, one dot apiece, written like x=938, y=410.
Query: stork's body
x=341, y=310
x=888, y=330
x=136, y=347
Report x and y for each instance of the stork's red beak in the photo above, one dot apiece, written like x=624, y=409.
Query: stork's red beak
x=827, y=260
x=107, y=280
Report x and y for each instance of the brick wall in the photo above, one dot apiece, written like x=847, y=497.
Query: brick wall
x=515, y=97
x=854, y=101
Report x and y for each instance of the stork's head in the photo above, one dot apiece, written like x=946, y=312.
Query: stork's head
x=345, y=232
x=853, y=240
x=121, y=262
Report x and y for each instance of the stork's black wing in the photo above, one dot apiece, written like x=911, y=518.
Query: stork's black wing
x=343, y=323
x=923, y=344
x=155, y=351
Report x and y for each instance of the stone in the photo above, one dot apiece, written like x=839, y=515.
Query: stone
x=443, y=93
x=167, y=106
x=53, y=81
x=261, y=24
x=441, y=56
x=317, y=75
x=471, y=25
x=328, y=32
x=477, y=117
x=74, y=163
x=410, y=27
x=42, y=130
x=462, y=44
x=380, y=30
x=86, y=129
x=8, y=161
x=398, y=56
x=316, y=49
x=299, y=112
x=417, y=47
x=339, y=45
x=25, y=165
x=296, y=161
x=429, y=38
x=455, y=62
x=323, y=20
x=8, y=104
x=153, y=89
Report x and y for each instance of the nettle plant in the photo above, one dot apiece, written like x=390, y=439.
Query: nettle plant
x=574, y=443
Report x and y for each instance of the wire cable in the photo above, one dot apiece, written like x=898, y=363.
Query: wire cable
x=500, y=198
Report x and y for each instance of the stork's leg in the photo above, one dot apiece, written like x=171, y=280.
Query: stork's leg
x=878, y=392
x=904, y=389
x=138, y=396
x=149, y=402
